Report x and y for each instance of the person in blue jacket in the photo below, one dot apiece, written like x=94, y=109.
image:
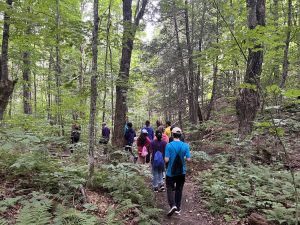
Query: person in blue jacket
x=149, y=129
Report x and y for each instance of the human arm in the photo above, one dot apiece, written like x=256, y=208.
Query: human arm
x=167, y=154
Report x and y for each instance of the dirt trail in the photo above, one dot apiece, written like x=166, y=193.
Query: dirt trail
x=192, y=210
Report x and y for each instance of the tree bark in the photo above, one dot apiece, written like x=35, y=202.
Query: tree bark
x=26, y=85
x=193, y=108
x=94, y=94
x=181, y=68
x=214, y=89
x=198, y=77
x=6, y=85
x=285, y=66
x=105, y=62
x=248, y=100
x=129, y=30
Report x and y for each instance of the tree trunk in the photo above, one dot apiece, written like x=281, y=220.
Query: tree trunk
x=49, y=86
x=6, y=85
x=93, y=106
x=129, y=30
x=181, y=68
x=214, y=90
x=26, y=85
x=105, y=62
x=193, y=108
x=248, y=100
x=285, y=66
x=198, y=77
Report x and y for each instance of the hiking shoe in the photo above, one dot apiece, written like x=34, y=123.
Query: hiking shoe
x=171, y=211
x=135, y=159
x=156, y=189
x=178, y=211
x=162, y=188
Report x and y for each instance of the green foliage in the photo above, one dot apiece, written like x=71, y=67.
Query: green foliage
x=201, y=156
x=8, y=202
x=35, y=211
x=239, y=190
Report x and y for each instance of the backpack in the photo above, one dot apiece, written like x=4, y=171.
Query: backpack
x=158, y=161
x=75, y=135
x=177, y=167
x=144, y=151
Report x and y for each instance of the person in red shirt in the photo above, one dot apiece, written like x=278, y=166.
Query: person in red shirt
x=142, y=141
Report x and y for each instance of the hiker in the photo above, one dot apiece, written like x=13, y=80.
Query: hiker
x=105, y=134
x=157, y=150
x=172, y=138
x=75, y=133
x=164, y=136
x=177, y=152
x=129, y=134
x=149, y=129
x=158, y=123
x=168, y=129
x=143, y=144
x=129, y=137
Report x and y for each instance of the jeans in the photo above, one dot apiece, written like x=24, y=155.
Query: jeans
x=157, y=177
x=175, y=200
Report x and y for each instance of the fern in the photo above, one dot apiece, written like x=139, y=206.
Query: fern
x=5, y=204
x=3, y=221
x=35, y=211
x=66, y=216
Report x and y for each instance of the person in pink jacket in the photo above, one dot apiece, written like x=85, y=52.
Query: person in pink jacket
x=164, y=136
x=142, y=141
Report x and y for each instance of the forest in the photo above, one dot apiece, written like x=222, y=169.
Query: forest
x=226, y=72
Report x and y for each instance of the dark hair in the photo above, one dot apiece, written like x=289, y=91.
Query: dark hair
x=158, y=123
x=129, y=124
x=147, y=123
x=172, y=127
x=168, y=123
x=158, y=135
x=176, y=135
x=142, y=139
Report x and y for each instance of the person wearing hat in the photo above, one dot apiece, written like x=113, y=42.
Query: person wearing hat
x=143, y=141
x=176, y=155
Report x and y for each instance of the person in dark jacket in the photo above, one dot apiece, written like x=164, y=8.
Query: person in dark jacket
x=149, y=130
x=157, y=145
x=129, y=135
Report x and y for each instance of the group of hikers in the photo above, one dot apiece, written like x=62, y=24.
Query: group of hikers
x=166, y=152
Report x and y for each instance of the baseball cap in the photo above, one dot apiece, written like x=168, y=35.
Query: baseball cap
x=144, y=131
x=176, y=130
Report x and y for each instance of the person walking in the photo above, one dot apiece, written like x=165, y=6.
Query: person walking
x=149, y=130
x=157, y=150
x=177, y=153
x=129, y=135
x=143, y=144
x=105, y=135
x=168, y=129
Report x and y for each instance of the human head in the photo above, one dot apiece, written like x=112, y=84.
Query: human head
x=147, y=123
x=168, y=123
x=161, y=128
x=158, y=123
x=158, y=135
x=176, y=131
x=129, y=125
x=103, y=124
x=144, y=132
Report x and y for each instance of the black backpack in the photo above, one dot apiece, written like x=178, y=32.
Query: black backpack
x=177, y=167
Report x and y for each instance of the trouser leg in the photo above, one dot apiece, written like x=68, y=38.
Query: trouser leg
x=155, y=173
x=179, y=180
x=170, y=193
x=160, y=177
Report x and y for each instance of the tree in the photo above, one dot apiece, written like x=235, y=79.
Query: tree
x=248, y=100
x=93, y=106
x=129, y=31
x=6, y=85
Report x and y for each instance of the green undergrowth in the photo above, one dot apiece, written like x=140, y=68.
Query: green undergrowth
x=40, y=188
x=236, y=190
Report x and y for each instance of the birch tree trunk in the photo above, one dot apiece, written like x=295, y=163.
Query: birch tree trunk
x=94, y=94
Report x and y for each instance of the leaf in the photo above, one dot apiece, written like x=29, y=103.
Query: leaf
x=292, y=93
